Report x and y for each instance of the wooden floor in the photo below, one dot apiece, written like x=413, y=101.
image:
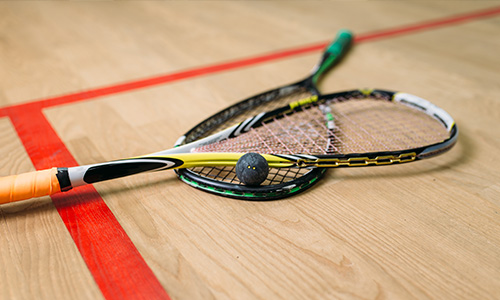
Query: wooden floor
x=428, y=230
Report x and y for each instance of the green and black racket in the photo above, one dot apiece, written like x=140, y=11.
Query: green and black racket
x=282, y=182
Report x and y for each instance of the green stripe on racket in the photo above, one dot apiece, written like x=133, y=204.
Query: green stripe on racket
x=280, y=183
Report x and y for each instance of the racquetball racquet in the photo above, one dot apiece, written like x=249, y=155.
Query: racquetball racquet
x=283, y=182
x=346, y=129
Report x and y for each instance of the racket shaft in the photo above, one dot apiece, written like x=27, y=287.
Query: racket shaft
x=83, y=175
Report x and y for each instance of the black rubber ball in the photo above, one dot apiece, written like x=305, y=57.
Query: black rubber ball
x=252, y=169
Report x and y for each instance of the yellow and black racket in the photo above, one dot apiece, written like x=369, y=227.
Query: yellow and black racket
x=346, y=129
x=283, y=182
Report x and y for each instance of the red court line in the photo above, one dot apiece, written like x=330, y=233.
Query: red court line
x=430, y=24
x=162, y=79
x=116, y=265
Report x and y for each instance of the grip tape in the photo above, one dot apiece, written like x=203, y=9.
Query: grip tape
x=29, y=185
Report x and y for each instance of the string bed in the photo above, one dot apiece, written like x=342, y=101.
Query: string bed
x=266, y=102
x=360, y=126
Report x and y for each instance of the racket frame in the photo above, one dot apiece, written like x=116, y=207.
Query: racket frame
x=351, y=159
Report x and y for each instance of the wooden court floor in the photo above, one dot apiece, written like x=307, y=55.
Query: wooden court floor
x=84, y=82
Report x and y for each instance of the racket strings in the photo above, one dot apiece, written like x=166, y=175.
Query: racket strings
x=335, y=141
x=365, y=125
x=277, y=176
x=239, y=113
x=263, y=103
x=307, y=140
x=374, y=125
x=227, y=174
x=349, y=132
x=219, y=173
x=371, y=125
x=283, y=135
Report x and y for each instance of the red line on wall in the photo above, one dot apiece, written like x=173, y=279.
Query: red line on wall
x=117, y=267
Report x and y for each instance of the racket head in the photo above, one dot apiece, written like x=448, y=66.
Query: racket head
x=345, y=129
x=223, y=181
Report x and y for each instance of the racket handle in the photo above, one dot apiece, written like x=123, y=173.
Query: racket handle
x=29, y=185
x=333, y=53
x=341, y=43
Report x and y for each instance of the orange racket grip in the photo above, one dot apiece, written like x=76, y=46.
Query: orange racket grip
x=29, y=185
